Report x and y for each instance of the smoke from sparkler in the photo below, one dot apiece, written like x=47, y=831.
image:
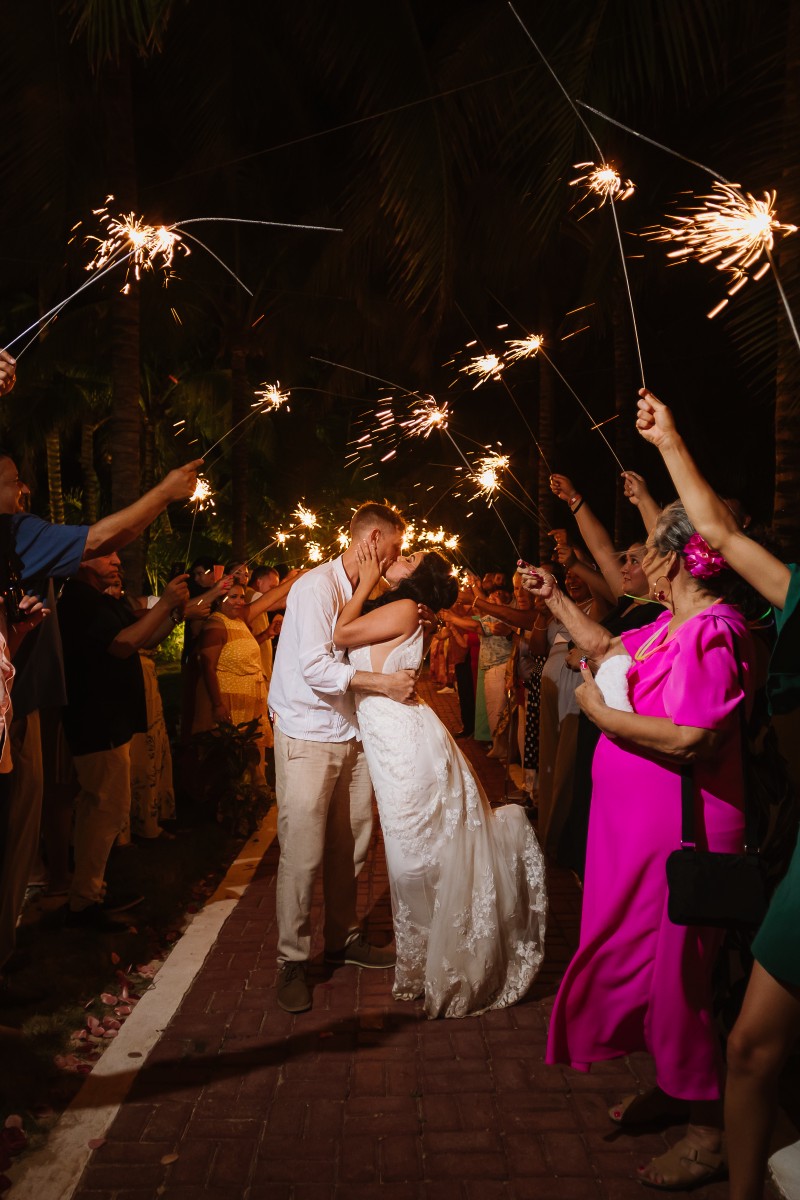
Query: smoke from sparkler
x=731, y=227
x=601, y=184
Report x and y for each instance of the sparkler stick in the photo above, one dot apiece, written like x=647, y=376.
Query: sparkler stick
x=269, y=397
x=595, y=425
x=603, y=169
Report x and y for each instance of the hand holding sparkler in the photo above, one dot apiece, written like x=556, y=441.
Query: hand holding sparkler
x=655, y=421
x=181, y=483
x=538, y=581
x=8, y=372
x=563, y=487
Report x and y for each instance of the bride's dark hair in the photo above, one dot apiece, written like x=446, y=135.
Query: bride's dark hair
x=431, y=582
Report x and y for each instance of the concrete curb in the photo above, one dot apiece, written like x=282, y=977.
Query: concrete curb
x=55, y=1170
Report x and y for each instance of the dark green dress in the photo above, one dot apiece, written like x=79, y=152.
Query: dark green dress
x=777, y=944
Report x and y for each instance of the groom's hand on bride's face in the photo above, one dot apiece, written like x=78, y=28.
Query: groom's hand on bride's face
x=401, y=686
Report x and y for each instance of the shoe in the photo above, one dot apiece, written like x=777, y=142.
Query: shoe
x=293, y=993
x=360, y=953
x=684, y=1167
x=445, y=691
x=463, y=733
x=118, y=902
x=94, y=916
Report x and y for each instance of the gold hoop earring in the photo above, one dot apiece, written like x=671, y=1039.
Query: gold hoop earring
x=663, y=595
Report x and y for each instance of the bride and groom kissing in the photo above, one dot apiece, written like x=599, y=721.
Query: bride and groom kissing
x=467, y=883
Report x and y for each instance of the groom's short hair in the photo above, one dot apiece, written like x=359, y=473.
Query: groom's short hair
x=371, y=514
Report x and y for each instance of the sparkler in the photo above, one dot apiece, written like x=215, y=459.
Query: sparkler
x=602, y=184
x=148, y=246
x=487, y=475
x=202, y=497
x=602, y=181
x=426, y=417
x=314, y=552
x=271, y=396
x=485, y=366
x=730, y=228
x=527, y=347
x=305, y=517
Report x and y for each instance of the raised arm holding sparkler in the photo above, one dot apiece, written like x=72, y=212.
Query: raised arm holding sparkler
x=710, y=515
x=119, y=528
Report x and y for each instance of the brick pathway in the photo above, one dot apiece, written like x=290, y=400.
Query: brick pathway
x=362, y=1097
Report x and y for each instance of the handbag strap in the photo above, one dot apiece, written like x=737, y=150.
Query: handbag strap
x=751, y=838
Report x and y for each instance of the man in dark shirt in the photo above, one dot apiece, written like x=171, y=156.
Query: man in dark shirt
x=101, y=638
x=42, y=552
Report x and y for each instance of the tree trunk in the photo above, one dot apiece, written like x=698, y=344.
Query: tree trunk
x=786, y=514
x=241, y=400
x=126, y=416
x=90, y=503
x=54, y=486
x=627, y=524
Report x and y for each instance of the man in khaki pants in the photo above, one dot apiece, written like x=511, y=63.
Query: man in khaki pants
x=323, y=785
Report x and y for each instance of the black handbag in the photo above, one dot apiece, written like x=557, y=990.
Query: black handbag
x=705, y=887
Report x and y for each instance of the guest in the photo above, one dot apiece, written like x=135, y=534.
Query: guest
x=234, y=689
x=638, y=982
x=494, y=654
x=106, y=708
x=769, y=1023
x=628, y=589
x=461, y=626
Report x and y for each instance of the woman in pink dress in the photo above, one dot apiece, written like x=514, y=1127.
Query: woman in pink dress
x=638, y=982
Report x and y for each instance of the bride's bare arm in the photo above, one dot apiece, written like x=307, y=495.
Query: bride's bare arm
x=398, y=619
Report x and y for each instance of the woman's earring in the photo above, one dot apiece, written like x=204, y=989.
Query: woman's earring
x=664, y=595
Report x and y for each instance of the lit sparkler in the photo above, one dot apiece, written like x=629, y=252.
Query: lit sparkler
x=731, y=229
x=426, y=417
x=314, y=552
x=485, y=366
x=202, y=496
x=147, y=247
x=487, y=475
x=306, y=517
x=342, y=539
x=601, y=184
x=270, y=395
x=527, y=347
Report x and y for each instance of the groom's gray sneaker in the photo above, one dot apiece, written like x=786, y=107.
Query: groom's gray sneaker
x=360, y=953
x=294, y=994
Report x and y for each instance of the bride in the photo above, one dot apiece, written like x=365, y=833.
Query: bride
x=467, y=884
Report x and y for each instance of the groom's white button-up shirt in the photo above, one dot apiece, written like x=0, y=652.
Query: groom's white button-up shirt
x=308, y=692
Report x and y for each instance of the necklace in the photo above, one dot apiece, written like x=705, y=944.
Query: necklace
x=647, y=647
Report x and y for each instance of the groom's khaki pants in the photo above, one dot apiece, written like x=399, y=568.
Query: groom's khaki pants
x=324, y=820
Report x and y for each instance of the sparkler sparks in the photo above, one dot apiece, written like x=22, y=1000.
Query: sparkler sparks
x=487, y=475
x=269, y=395
x=426, y=417
x=306, y=517
x=527, y=347
x=485, y=366
x=202, y=496
x=601, y=184
x=314, y=552
x=731, y=229
x=149, y=247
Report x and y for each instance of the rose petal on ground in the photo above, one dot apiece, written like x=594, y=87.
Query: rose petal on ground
x=169, y=1158
x=112, y=1033
x=108, y=998
x=111, y=1023
x=96, y=1143
x=123, y=1010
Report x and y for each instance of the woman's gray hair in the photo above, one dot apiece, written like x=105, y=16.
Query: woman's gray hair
x=672, y=529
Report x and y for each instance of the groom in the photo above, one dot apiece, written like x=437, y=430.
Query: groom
x=322, y=782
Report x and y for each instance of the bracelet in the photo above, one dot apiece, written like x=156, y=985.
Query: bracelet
x=577, y=506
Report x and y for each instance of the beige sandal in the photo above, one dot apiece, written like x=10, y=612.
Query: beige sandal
x=675, y=1167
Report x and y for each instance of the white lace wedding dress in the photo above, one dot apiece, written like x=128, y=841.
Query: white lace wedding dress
x=467, y=883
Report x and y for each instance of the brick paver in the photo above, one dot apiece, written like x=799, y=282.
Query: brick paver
x=363, y=1098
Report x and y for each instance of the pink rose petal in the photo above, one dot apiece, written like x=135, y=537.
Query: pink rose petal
x=123, y=1010
x=108, y=998
x=96, y=1143
x=111, y=1033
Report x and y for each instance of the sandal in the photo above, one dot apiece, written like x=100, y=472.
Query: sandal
x=675, y=1168
x=647, y=1108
